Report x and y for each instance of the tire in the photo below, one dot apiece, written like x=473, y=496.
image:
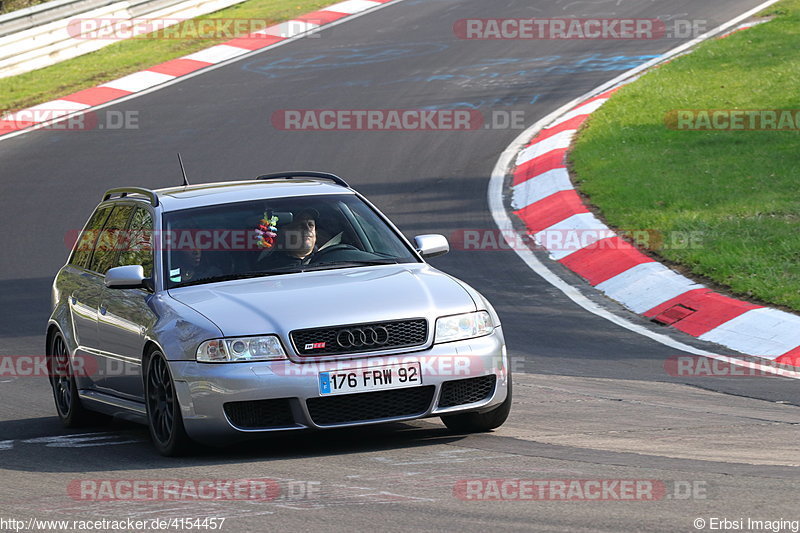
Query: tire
x=70, y=410
x=480, y=422
x=163, y=411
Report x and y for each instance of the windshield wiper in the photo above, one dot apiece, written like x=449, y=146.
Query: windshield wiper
x=286, y=270
x=243, y=275
x=345, y=264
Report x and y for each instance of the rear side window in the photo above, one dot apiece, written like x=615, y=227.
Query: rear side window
x=85, y=244
x=111, y=239
x=138, y=248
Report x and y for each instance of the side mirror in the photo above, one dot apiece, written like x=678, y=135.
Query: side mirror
x=126, y=277
x=431, y=245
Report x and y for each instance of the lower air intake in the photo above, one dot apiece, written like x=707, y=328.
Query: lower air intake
x=366, y=406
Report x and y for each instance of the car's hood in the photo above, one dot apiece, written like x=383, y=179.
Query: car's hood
x=282, y=303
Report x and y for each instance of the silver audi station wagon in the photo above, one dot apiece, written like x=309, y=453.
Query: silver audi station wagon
x=227, y=310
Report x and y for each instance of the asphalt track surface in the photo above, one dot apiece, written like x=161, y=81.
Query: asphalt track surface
x=593, y=401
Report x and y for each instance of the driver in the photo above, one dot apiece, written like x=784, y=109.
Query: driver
x=296, y=242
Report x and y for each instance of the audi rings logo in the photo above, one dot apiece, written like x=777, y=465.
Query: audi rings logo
x=363, y=337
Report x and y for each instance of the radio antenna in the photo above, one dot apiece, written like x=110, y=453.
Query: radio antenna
x=183, y=171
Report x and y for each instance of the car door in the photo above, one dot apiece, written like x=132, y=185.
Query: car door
x=84, y=289
x=124, y=314
x=103, y=256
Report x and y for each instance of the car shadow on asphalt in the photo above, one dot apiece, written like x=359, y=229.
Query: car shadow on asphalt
x=43, y=445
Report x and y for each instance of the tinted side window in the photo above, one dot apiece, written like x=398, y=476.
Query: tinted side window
x=138, y=249
x=85, y=244
x=111, y=239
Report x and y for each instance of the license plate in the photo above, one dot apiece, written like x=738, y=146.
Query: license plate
x=370, y=379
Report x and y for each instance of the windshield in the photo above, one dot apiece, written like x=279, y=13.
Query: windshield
x=275, y=236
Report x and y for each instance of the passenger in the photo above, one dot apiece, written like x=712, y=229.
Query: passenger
x=191, y=265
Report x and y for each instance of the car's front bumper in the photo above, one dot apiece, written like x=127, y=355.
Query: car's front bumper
x=204, y=389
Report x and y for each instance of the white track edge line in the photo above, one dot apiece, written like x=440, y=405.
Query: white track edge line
x=504, y=224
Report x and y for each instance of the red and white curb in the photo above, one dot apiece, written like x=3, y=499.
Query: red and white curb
x=742, y=27
x=170, y=71
x=544, y=199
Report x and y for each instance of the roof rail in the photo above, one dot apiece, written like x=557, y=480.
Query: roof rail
x=122, y=192
x=304, y=174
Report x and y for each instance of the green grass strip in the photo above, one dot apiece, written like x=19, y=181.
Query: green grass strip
x=7, y=6
x=133, y=55
x=736, y=192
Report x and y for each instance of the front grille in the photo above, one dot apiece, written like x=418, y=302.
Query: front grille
x=357, y=338
x=260, y=414
x=366, y=406
x=464, y=391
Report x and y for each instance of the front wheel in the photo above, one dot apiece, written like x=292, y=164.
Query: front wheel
x=480, y=422
x=163, y=411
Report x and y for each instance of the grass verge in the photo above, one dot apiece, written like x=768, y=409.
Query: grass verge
x=7, y=6
x=738, y=191
x=133, y=55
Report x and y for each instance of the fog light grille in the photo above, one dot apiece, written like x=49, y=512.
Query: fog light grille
x=260, y=414
x=464, y=391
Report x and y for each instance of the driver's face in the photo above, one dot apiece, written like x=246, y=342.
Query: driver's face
x=300, y=236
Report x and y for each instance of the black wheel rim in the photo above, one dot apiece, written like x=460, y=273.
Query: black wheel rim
x=62, y=381
x=160, y=399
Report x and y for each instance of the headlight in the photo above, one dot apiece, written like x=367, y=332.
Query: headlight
x=241, y=349
x=466, y=326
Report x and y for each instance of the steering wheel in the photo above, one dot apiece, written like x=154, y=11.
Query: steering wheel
x=325, y=254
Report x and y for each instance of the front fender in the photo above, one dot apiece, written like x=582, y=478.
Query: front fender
x=180, y=329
